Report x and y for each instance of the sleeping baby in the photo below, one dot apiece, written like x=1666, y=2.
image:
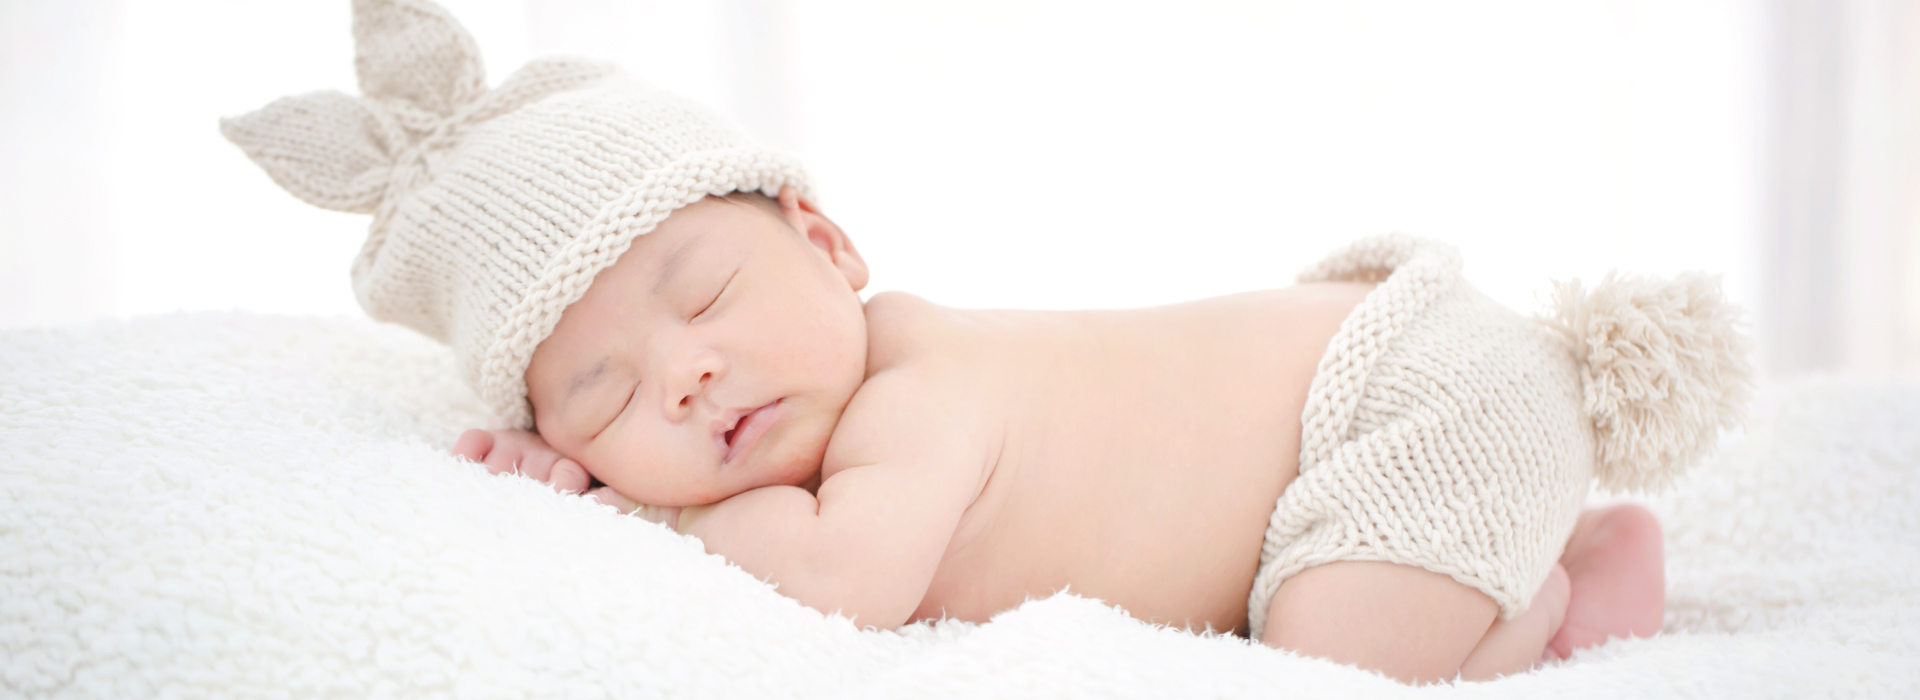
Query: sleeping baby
x=1378, y=465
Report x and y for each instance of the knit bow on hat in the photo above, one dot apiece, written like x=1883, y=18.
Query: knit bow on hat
x=493, y=209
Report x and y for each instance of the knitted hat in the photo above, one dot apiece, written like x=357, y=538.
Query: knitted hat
x=493, y=209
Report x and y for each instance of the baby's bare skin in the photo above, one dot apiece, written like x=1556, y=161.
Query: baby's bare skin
x=898, y=460
x=1136, y=455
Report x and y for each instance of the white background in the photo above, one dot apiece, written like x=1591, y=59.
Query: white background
x=996, y=153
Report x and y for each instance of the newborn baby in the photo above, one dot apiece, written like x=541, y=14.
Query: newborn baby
x=897, y=460
x=1378, y=466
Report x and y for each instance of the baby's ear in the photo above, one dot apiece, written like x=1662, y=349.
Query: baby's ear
x=825, y=235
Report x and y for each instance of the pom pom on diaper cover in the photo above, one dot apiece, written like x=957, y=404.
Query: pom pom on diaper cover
x=1665, y=366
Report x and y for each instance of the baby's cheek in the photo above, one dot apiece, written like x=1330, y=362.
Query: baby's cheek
x=644, y=474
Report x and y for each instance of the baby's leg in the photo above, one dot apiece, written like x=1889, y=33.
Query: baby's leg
x=1617, y=568
x=1403, y=621
x=1512, y=646
x=1408, y=623
x=1610, y=582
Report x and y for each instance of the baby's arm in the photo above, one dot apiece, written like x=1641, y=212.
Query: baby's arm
x=868, y=545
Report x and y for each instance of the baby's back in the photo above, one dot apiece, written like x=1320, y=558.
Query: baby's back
x=1139, y=453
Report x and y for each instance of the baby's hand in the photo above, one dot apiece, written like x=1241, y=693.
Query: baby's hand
x=524, y=453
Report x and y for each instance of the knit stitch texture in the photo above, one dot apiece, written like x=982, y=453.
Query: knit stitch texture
x=1441, y=431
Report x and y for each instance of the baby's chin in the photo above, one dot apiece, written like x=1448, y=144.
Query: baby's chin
x=796, y=455
x=798, y=469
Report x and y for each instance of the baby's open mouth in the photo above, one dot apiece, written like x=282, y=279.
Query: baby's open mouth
x=747, y=431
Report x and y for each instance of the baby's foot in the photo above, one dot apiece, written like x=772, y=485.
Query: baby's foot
x=1617, y=569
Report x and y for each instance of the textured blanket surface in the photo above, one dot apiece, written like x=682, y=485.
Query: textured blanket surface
x=235, y=505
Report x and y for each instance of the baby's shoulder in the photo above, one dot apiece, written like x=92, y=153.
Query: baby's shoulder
x=905, y=331
x=921, y=414
x=915, y=399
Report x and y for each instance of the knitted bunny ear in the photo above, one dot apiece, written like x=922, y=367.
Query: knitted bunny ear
x=330, y=150
x=418, y=70
x=1666, y=367
x=424, y=90
x=414, y=52
x=535, y=81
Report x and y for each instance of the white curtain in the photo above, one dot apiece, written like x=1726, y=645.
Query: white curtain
x=118, y=196
x=733, y=55
x=55, y=60
x=1044, y=154
x=1842, y=234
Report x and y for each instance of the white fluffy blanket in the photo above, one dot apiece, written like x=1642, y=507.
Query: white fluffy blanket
x=234, y=505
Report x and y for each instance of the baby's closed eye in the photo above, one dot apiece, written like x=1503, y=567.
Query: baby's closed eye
x=617, y=412
x=715, y=300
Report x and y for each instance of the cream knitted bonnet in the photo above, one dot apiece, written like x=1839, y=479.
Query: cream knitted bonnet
x=493, y=209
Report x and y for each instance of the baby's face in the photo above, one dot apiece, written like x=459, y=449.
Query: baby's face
x=714, y=357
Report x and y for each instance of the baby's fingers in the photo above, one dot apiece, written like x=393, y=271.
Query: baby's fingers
x=504, y=458
x=538, y=465
x=473, y=445
x=564, y=475
x=523, y=453
x=567, y=476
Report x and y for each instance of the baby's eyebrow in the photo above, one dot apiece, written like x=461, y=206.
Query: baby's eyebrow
x=588, y=378
x=671, y=267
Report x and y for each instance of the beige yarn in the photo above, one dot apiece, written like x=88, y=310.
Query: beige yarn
x=1667, y=366
x=493, y=209
x=1441, y=430
x=1447, y=432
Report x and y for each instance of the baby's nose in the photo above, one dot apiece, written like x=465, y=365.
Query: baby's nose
x=694, y=379
x=698, y=387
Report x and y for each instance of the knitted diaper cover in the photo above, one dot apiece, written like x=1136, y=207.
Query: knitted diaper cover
x=1442, y=430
